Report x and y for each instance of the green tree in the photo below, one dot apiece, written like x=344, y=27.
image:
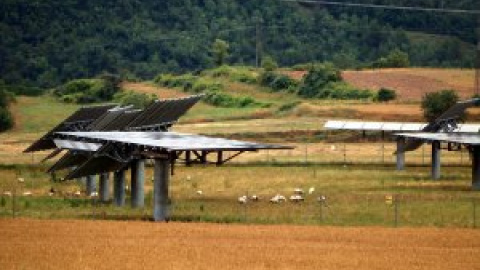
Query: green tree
x=318, y=77
x=220, y=51
x=395, y=59
x=269, y=64
x=435, y=103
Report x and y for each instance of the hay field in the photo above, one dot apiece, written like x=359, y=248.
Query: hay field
x=35, y=244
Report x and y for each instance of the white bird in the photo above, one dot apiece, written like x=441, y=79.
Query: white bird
x=94, y=194
x=298, y=191
x=21, y=180
x=311, y=190
x=199, y=192
x=27, y=193
x=277, y=199
x=321, y=199
x=254, y=198
x=243, y=199
x=296, y=198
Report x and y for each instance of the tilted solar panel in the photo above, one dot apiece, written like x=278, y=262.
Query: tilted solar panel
x=78, y=120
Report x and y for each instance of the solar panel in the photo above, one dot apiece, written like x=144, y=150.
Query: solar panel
x=76, y=145
x=162, y=113
x=69, y=160
x=172, y=141
x=82, y=117
x=470, y=139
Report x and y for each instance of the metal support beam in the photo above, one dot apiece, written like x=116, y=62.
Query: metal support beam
x=220, y=158
x=137, y=182
x=188, y=158
x=475, y=167
x=104, y=187
x=119, y=188
x=400, y=153
x=435, y=160
x=160, y=190
x=90, y=185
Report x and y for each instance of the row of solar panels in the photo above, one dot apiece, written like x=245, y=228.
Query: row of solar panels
x=159, y=115
x=392, y=126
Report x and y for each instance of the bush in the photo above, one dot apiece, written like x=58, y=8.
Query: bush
x=268, y=64
x=278, y=82
x=435, y=103
x=315, y=81
x=89, y=90
x=138, y=100
x=220, y=99
x=6, y=119
x=395, y=59
x=237, y=74
x=384, y=95
x=288, y=106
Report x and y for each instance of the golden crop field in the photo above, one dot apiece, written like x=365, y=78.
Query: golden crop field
x=70, y=244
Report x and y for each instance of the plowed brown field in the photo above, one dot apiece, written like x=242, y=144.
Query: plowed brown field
x=409, y=83
x=46, y=244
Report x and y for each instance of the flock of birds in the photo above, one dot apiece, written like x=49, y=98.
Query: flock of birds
x=296, y=197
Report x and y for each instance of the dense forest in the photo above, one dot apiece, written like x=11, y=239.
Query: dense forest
x=47, y=42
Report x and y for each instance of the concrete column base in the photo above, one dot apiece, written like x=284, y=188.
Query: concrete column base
x=137, y=182
x=161, y=203
x=435, y=160
x=119, y=188
x=104, y=187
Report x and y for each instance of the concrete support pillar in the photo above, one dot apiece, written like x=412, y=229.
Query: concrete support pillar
x=90, y=184
x=137, y=182
x=119, y=188
x=104, y=187
x=400, y=153
x=476, y=167
x=435, y=160
x=160, y=190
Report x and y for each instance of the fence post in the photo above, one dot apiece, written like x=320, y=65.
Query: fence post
x=474, y=213
x=395, y=204
x=344, y=154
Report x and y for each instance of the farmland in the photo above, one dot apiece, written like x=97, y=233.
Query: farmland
x=106, y=244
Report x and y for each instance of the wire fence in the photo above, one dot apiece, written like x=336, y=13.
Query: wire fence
x=391, y=210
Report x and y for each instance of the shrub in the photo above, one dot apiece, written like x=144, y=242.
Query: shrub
x=395, y=59
x=384, y=95
x=435, y=103
x=277, y=82
x=317, y=78
x=268, y=64
x=220, y=99
x=288, y=106
x=138, y=100
x=6, y=119
x=89, y=90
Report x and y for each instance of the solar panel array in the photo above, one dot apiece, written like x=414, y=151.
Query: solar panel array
x=392, y=126
x=82, y=117
x=170, y=141
x=159, y=115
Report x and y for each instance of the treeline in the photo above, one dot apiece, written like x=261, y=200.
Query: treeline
x=47, y=42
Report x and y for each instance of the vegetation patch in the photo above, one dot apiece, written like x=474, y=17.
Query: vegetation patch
x=88, y=90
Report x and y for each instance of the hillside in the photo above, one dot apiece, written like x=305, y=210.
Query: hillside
x=139, y=39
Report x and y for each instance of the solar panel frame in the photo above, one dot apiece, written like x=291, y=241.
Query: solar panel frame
x=172, y=141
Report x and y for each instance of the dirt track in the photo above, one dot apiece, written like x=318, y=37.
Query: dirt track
x=36, y=244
